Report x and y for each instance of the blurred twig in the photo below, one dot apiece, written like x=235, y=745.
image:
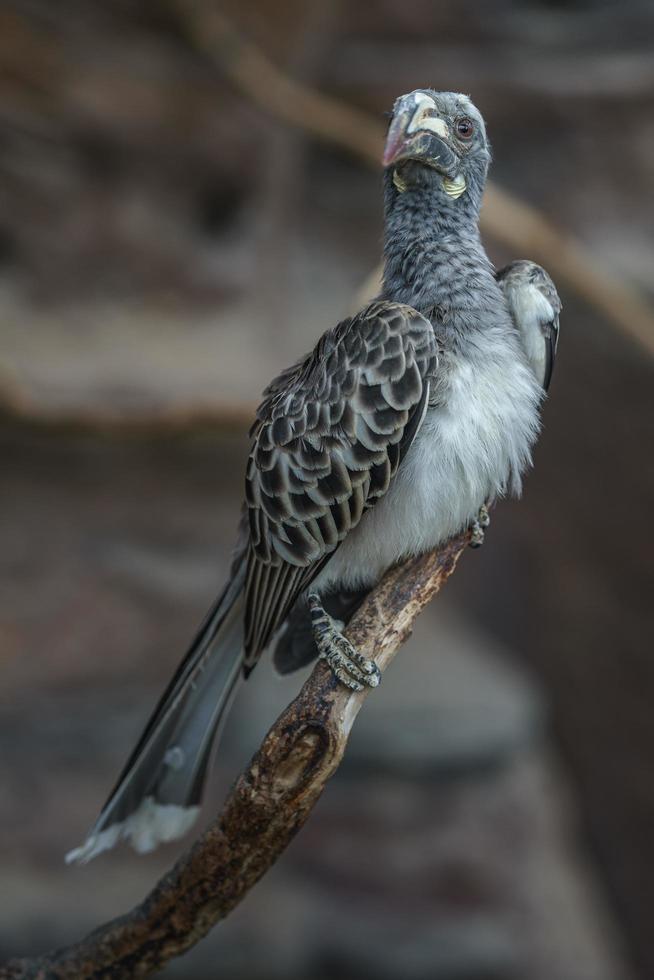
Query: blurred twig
x=504, y=217
x=169, y=420
x=269, y=803
x=256, y=76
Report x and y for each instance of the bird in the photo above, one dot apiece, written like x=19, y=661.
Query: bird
x=392, y=435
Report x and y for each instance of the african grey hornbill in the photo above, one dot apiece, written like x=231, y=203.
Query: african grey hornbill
x=385, y=440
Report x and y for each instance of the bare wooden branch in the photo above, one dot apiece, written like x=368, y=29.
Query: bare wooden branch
x=269, y=803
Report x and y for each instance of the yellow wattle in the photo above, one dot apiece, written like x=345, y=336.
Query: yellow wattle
x=456, y=187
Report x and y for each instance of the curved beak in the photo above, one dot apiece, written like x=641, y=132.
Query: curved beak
x=417, y=133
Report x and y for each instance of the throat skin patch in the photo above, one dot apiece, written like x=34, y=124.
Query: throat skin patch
x=453, y=188
x=398, y=182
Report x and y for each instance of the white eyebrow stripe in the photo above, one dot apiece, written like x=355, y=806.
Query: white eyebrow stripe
x=433, y=123
x=419, y=121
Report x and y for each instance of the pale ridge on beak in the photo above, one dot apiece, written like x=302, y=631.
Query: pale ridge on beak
x=434, y=123
x=416, y=133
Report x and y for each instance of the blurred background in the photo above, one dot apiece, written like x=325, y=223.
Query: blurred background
x=166, y=245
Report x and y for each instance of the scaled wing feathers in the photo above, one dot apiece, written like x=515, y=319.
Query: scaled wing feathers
x=328, y=439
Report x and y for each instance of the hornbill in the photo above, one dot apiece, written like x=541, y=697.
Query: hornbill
x=387, y=439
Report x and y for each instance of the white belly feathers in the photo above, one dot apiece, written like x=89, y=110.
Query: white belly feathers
x=472, y=446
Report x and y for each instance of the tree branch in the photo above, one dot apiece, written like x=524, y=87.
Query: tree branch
x=269, y=803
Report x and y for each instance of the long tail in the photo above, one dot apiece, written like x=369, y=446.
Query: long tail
x=158, y=793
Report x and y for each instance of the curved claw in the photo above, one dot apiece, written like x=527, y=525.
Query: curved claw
x=347, y=664
x=477, y=527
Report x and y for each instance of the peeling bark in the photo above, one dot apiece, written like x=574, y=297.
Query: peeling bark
x=268, y=804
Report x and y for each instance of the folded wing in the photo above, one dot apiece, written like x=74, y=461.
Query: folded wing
x=534, y=305
x=329, y=437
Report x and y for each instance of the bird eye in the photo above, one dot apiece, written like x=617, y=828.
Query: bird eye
x=464, y=128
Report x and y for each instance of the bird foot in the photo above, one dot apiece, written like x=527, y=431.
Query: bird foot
x=347, y=664
x=478, y=527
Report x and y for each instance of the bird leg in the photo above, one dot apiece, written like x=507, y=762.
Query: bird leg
x=478, y=527
x=350, y=668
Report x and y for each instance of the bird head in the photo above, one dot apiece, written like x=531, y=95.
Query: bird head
x=436, y=134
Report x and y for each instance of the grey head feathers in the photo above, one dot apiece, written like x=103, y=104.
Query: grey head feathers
x=437, y=144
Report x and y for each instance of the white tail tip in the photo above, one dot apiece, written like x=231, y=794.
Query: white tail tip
x=152, y=824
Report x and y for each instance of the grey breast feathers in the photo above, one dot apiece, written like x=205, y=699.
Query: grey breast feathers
x=328, y=439
x=535, y=306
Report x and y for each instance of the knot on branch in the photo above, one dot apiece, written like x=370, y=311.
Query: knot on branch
x=265, y=809
x=293, y=768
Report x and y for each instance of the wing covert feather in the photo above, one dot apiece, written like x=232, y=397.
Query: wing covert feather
x=535, y=306
x=329, y=436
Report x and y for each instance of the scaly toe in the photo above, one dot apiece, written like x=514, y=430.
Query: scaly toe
x=347, y=664
x=343, y=676
x=477, y=535
x=372, y=675
x=365, y=671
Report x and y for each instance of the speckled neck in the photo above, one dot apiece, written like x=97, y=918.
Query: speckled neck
x=433, y=255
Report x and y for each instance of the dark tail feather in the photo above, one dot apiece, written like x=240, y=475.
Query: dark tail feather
x=158, y=794
x=296, y=646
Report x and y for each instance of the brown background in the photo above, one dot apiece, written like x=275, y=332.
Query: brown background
x=165, y=244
